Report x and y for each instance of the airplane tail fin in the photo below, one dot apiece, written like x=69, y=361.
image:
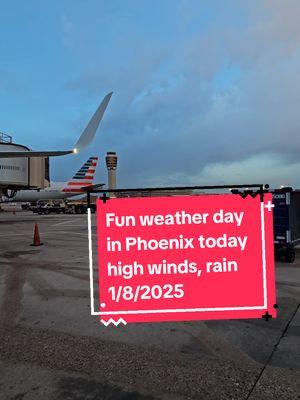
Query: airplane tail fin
x=83, y=177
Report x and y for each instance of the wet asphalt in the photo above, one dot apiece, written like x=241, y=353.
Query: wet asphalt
x=52, y=348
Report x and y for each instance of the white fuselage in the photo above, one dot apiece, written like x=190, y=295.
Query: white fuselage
x=55, y=191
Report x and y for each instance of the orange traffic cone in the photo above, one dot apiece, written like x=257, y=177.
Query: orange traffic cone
x=36, y=237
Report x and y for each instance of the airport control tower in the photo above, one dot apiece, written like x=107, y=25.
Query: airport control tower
x=111, y=164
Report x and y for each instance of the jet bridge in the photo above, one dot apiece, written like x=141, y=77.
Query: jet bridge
x=21, y=172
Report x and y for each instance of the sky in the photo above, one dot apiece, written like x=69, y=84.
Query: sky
x=205, y=91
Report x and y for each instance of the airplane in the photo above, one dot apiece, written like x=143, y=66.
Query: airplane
x=61, y=190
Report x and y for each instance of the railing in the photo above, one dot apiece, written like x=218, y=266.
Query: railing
x=248, y=189
x=4, y=138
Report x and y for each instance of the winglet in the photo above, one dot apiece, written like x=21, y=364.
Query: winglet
x=91, y=129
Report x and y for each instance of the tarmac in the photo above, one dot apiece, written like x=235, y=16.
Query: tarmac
x=52, y=348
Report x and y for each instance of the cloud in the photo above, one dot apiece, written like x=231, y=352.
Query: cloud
x=171, y=120
x=257, y=169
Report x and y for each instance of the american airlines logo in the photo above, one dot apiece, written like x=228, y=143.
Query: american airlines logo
x=84, y=177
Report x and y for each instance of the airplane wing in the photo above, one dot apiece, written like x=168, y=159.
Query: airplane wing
x=16, y=154
x=88, y=134
x=84, y=141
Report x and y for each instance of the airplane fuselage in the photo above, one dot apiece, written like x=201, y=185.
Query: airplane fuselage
x=54, y=192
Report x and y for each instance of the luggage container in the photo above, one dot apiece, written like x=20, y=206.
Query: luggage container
x=286, y=221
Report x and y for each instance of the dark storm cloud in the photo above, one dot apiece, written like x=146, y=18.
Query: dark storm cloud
x=170, y=118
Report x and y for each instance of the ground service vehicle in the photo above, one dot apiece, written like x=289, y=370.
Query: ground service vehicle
x=286, y=221
x=50, y=208
x=78, y=207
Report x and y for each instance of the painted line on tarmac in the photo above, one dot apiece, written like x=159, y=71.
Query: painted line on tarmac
x=82, y=225
x=43, y=234
x=64, y=223
x=15, y=234
x=69, y=233
x=69, y=223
